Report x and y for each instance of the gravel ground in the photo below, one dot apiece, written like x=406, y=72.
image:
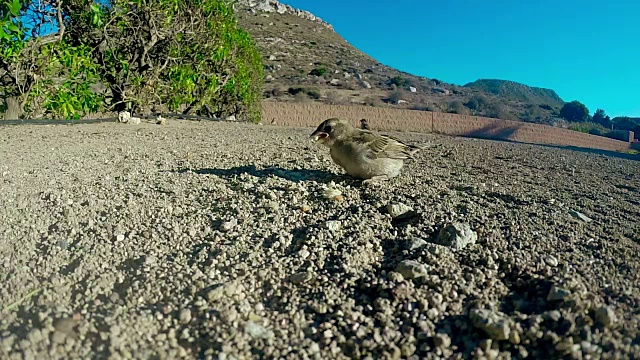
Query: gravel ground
x=237, y=241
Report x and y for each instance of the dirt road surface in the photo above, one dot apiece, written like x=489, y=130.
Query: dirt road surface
x=237, y=241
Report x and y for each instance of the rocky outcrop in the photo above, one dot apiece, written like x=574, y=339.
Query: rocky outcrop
x=256, y=6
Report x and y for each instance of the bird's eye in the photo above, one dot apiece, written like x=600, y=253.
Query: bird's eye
x=327, y=128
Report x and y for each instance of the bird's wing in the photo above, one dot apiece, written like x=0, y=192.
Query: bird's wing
x=384, y=146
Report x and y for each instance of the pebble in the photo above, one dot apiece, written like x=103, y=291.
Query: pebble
x=605, y=315
x=301, y=277
x=417, y=243
x=331, y=192
x=457, y=236
x=442, y=340
x=551, y=260
x=333, y=225
x=411, y=269
x=65, y=325
x=304, y=253
x=314, y=348
x=185, y=316
x=580, y=216
x=228, y=225
x=492, y=323
x=216, y=293
x=436, y=299
x=258, y=331
x=398, y=210
x=557, y=293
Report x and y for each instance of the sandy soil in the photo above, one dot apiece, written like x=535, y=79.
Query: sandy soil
x=237, y=241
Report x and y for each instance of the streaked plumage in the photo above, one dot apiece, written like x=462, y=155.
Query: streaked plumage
x=362, y=153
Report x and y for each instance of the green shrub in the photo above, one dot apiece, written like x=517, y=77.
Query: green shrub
x=190, y=55
x=313, y=93
x=589, y=128
x=457, y=107
x=319, y=71
x=399, y=81
x=575, y=111
x=477, y=102
x=310, y=92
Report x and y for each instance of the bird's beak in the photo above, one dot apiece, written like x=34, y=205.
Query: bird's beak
x=319, y=135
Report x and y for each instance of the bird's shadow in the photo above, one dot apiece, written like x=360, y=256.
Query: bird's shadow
x=294, y=175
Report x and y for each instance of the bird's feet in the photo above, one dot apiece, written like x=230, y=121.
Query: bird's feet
x=375, y=180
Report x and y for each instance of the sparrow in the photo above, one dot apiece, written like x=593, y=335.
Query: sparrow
x=364, y=124
x=363, y=154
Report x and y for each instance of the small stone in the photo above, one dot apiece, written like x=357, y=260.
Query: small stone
x=514, y=337
x=565, y=345
x=399, y=209
x=605, y=315
x=492, y=354
x=300, y=277
x=305, y=208
x=442, y=340
x=553, y=315
x=58, y=337
x=457, y=236
x=185, y=316
x=417, y=243
x=333, y=225
x=304, y=253
x=411, y=269
x=580, y=216
x=485, y=344
x=257, y=331
x=587, y=347
x=272, y=58
x=432, y=313
x=436, y=299
x=228, y=225
x=65, y=325
x=558, y=293
x=331, y=193
x=407, y=350
x=215, y=294
x=120, y=237
x=493, y=323
x=395, y=277
x=231, y=118
x=551, y=261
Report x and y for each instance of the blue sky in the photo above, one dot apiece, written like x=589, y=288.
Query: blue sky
x=584, y=50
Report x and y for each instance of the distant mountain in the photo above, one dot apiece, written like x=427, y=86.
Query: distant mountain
x=305, y=60
x=518, y=92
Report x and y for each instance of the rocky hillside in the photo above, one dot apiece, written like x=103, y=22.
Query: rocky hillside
x=306, y=60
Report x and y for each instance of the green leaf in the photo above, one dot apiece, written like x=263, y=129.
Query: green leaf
x=13, y=27
x=14, y=7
